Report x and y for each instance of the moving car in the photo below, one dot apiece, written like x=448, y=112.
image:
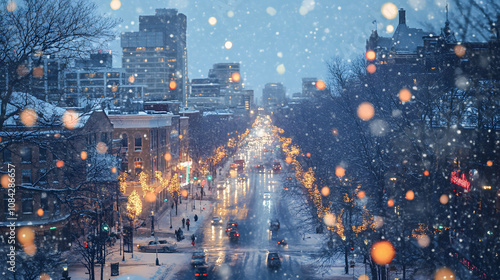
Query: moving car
x=199, y=258
x=274, y=225
x=161, y=245
x=232, y=223
x=266, y=195
x=273, y=260
x=201, y=272
x=233, y=235
x=276, y=167
x=282, y=242
x=217, y=221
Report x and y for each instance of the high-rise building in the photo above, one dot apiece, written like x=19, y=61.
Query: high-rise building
x=309, y=88
x=274, y=95
x=228, y=75
x=156, y=55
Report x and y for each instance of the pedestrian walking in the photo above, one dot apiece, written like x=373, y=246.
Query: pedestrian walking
x=187, y=224
x=184, y=222
x=195, y=217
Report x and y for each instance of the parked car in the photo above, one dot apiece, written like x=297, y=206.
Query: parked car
x=216, y=221
x=201, y=272
x=273, y=260
x=161, y=245
x=199, y=258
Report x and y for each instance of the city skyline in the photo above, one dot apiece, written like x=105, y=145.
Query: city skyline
x=262, y=40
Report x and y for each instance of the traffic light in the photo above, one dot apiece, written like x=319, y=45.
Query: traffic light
x=105, y=227
x=85, y=244
x=166, y=199
x=195, y=178
x=209, y=178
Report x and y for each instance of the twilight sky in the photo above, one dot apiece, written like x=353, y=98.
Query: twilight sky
x=300, y=34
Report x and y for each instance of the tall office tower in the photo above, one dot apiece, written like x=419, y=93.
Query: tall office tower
x=309, y=88
x=156, y=55
x=274, y=95
x=228, y=75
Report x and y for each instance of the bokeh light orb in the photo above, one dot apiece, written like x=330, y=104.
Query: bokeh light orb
x=28, y=117
x=212, y=20
x=389, y=10
x=288, y=159
x=70, y=119
x=443, y=199
x=489, y=163
x=44, y=276
x=378, y=221
x=38, y=72
x=168, y=156
x=115, y=4
x=339, y=171
x=390, y=202
x=150, y=197
x=371, y=68
x=11, y=6
x=25, y=235
x=236, y=77
x=320, y=85
x=444, y=273
x=5, y=180
x=366, y=111
x=389, y=28
x=83, y=155
x=404, y=95
x=184, y=193
x=271, y=11
x=29, y=249
x=459, y=50
x=308, y=154
x=325, y=191
x=410, y=195
x=39, y=212
x=172, y=85
x=101, y=148
x=363, y=277
x=335, y=132
x=228, y=45
x=370, y=55
x=113, y=169
x=383, y=252
x=329, y=220
x=60, y=163
x=131, y=79
x=280, y=69
x=426, y=173
x=423, y=240
x=361, y=194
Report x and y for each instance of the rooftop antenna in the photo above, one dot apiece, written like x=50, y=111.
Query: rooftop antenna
x=375, y=23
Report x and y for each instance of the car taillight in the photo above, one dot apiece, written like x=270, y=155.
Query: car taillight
x=204, y=274
x=196, y=274
x=237, y=234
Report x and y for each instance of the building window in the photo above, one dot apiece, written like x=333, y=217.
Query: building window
x=138, y=166
x=27, y=203
x=7, y=156
x=138, y=142
x=44, y=202
x=104, y=137
x=124, y=140
x=42, y=155
x=26, y=154
x=42, y=176
x=26, y=177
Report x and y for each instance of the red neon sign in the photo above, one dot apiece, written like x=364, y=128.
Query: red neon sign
x=460, y=180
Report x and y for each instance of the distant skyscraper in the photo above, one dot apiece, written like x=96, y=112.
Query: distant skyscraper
x=309, y=88
x=156, y=56
x=274, y=94
x=228, y=75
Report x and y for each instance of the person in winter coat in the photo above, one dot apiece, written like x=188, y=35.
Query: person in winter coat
x=187, y=224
